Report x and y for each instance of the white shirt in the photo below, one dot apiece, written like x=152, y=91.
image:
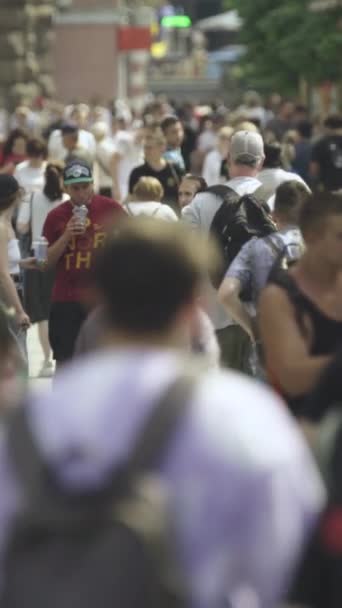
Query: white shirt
x=14, y=256
x=212, y=168
x=207, y=140
x=131, y=155
x=30, y=178
x=151, y=209
x=200, y=214
x=104, y=152
x=272, y=178
x=86, y=142
x=40, y=205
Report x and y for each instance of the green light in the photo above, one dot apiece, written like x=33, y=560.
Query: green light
x=181, y=21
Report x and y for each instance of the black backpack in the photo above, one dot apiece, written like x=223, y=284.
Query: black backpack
x=108, y=549
x=238, y=219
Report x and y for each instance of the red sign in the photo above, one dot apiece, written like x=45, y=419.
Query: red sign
x=134, y=38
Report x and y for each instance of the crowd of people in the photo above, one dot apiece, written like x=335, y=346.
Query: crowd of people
x=184, y=270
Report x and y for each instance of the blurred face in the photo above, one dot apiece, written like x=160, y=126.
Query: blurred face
x=175, y=135
x=223, y=145
x=80, y=194
x=187, y=190
x=287, y=110
x=326, y=241
x=70, y=141
x=19, y=146
x=154, y=144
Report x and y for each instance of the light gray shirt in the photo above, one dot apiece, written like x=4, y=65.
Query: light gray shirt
x=200, y=214
x=255, y=259
x=243, y=492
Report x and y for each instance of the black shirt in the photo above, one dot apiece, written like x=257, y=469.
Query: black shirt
x=170, y=177
x=327, y=152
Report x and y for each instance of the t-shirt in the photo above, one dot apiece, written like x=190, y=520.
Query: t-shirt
x=131, y=154
x=86, y=144
x=211, y=171
x=72, y=270
x=272, y=178
x=175, y=156
x=170, y=177
x=151, y=209
x=30, y=178
x=327, y=152
x=255, y=260
x=238, y=474
x=104, y=152
x=36, y=210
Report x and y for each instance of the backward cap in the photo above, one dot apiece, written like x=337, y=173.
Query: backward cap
x=77, y=172
x=246, y=146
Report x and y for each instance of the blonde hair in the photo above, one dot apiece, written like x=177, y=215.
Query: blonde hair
x=246, y=125
x=226, y=132
x=148, y=189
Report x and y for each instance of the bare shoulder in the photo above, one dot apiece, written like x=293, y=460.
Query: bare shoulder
x=273, y=295
x=3, y=231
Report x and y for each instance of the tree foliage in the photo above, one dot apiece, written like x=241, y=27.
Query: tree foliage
x=286, y=41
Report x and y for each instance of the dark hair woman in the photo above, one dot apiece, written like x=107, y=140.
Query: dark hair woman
x=38, y=285
x=14, y=151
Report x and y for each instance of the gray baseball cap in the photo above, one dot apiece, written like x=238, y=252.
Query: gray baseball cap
x=246, y=146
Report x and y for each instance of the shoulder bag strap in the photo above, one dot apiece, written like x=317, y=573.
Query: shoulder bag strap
x=174, y=173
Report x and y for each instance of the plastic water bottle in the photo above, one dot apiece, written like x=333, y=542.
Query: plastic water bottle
x=40, y=248
x=80, y=213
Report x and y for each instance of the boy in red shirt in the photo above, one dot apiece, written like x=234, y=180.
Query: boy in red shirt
x=72, y=246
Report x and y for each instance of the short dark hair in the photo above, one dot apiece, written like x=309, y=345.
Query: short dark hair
x=36, y=148
x=69, y=128
x=169, y=121
x=317, y=208
x=289, y=198
x=9, y=143
x=198, y=179
x=147, y=270
x=304, y=128
x=53, y=175
x=334, y=121
x=272, y=155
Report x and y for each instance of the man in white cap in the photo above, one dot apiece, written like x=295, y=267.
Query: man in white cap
x=245, y=160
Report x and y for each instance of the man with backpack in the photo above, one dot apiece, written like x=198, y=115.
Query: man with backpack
x=142, y=480
x=246, y=155
x=251, y=268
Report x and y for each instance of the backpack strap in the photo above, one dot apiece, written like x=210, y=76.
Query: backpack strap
x=50, y=503
x=285, y=281
x=161, y=424
x=225, y=193
x=261, y=193
x=269, y=240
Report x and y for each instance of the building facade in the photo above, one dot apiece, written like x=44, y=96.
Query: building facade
x=26, y=37
x=101, y=51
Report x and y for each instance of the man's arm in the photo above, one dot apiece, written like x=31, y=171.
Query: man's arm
x=6, y=282
x=229, y=296
x=286, y=351
x=57, y=246
x=237, y=279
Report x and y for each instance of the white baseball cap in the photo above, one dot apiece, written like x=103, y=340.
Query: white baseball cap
x=246, y=147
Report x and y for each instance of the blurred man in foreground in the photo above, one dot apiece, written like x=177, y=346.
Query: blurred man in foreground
x=240, y=504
